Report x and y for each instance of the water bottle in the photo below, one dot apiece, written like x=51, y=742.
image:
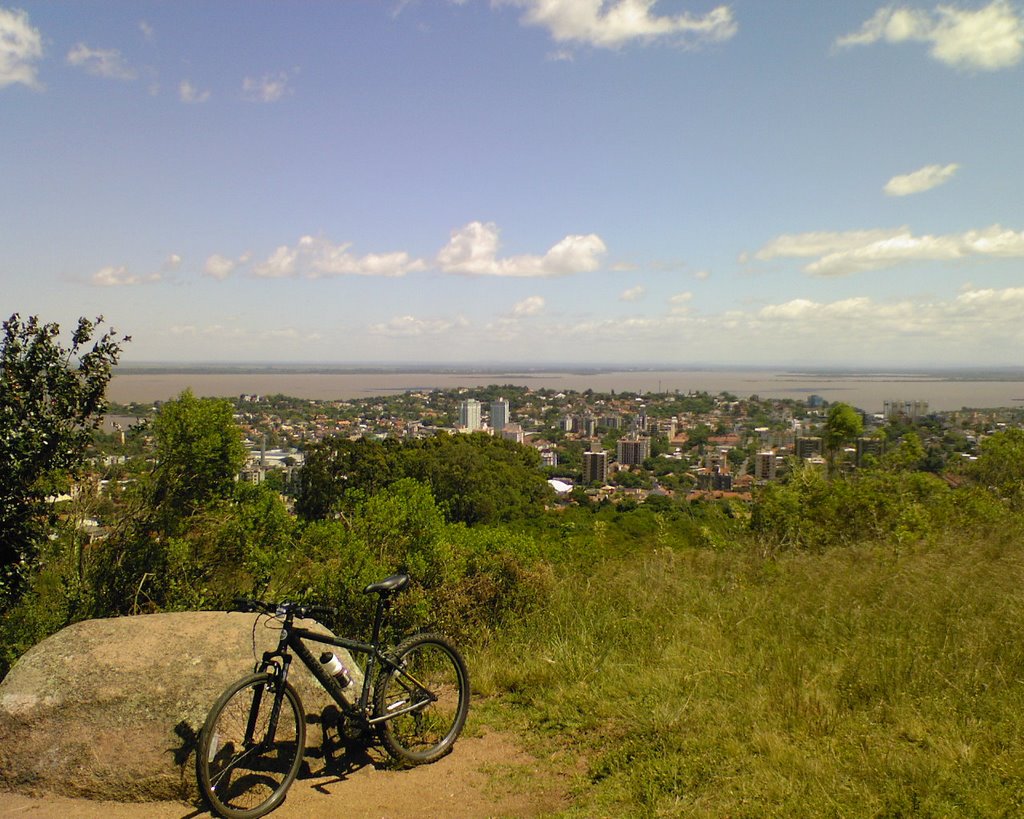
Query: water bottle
x=333, y=666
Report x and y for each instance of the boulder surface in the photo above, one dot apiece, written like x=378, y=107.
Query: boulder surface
x=112, y=709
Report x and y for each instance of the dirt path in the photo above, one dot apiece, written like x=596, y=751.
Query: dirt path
x=485, y=776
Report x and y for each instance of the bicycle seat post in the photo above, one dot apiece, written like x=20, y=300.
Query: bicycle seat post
x=383, y=604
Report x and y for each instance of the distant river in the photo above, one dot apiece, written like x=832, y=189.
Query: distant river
x=867, y=391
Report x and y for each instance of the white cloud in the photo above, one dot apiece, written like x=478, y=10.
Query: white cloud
x=410, y=326
x=146, y=29
x=702, y=275
x=680, y=303
x=21, y=47
x=210, y=331
x=989, y=38
x=923, y=179
x=268, y=88
x=172, y=262
x=801, y=309
x=984, y=318
x=530, y=306
x=281, y=264
x=819, y=243
x=316, y=258
x=111, y=276
x=840, y=254
x=860, y=330
x=335, y=260
x=100, y=62
x=473, y=250
x=220, y=267
x=612, y=24
x=188, y=93
x=633, y=293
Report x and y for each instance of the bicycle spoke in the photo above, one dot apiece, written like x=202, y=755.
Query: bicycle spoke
x=247, y=779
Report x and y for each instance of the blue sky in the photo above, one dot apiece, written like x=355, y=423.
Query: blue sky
x=626, y=181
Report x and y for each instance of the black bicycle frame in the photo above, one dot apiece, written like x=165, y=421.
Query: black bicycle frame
x=292, y=638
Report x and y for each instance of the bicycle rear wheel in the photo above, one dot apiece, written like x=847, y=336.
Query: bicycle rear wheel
x=245, y=769
x=428, y=696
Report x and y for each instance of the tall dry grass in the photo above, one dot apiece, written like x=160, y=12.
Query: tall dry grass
x=856, y=682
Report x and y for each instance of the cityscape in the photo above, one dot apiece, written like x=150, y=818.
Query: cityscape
x=623, y=447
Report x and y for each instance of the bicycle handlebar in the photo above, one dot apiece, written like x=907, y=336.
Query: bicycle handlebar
x=314, y=612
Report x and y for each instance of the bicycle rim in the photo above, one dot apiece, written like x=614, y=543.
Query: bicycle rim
x=243, y=770
x=431, y=686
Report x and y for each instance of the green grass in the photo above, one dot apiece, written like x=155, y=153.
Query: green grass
x=856, y=682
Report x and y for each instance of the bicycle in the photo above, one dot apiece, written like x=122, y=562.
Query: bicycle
x=252, y=744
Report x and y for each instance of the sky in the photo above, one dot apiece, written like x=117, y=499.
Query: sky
x=605, y=182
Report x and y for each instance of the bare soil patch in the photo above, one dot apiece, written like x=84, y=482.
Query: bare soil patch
x=485, y=776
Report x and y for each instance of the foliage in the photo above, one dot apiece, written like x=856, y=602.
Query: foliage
x=1000, y=466
x=843, y=425
x=237, y=546
x=476, y=478
x=51, y=398
x=466, y=580
x=336, y=467
x=199, y=453
x=810, y=511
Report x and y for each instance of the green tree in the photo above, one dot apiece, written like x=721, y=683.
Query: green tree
x=51, y=399
x=199, y=453
x=843, y=425
x=906, y=455
x=475, y=478
x=1000, y=466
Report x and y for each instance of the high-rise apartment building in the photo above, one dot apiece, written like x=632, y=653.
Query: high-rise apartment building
x=595, y=467
x=765, y=465
x=469, y=415
x=868, y=447
x=911, y=410
x=808, y=447
x=633, y=451
x=499, y=414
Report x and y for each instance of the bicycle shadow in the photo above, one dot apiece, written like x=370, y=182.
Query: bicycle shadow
x=343, y=749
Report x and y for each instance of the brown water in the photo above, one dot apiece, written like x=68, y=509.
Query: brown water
x=866, y=391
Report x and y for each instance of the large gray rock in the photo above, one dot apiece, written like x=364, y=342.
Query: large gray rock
x=111, y=709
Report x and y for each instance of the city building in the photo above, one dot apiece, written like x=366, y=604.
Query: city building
x=765, y=464
x=469, y=415
x=633, y=451
x=513, y=432
x=499, y=414
x=868, y=447
x=808, y=447
x=911, y=410
x=595, y=467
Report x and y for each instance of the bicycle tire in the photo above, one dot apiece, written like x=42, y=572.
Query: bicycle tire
x=247, y=783
x=431, y=671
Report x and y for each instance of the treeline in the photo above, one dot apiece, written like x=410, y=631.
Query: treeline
x=476, y=478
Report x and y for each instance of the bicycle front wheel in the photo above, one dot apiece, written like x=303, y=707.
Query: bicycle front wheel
x=425, y=698
x=244, y=762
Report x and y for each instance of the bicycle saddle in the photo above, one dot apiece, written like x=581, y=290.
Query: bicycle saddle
x=389, y=585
